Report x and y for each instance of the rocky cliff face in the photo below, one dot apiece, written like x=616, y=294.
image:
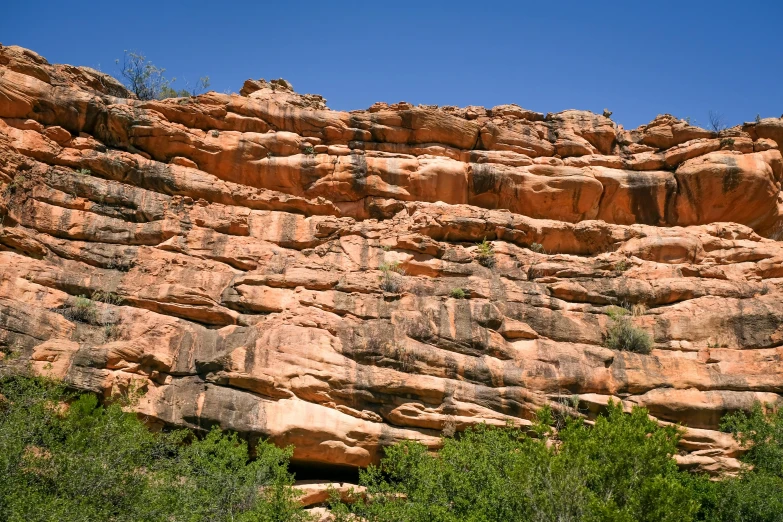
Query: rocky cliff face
x=238, y=258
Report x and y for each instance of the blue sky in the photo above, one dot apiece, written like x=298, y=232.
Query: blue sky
x=636, y=58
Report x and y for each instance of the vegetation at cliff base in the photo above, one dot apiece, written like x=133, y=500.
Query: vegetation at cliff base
x=66, y=458
x=619, y=470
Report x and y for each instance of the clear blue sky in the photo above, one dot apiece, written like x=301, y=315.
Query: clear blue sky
x=636, y=58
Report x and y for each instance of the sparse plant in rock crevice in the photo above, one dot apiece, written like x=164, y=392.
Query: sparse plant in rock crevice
x=458, y=293
x=727, y=143
x=119, y=264
x=16, y=183
x=83, y=310
x=621, y=266
x=485, y=254
x=405, y=358
x=107, y=297
x=622, y=334
x=391, y=277
x=537, y=247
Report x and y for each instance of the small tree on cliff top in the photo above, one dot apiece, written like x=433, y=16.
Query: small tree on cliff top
x=148, y=82
x=142, y=76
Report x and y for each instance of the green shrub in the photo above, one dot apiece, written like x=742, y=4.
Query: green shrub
x=458, y=293
x=622, y=334
x=485, y=254
x=83, y=310
x=621, y=266
x=757, y=493
x=761, y=433
x=391, y=277
x=537, y=247
x=94, y=463
x=620, y=470
x=727, y=143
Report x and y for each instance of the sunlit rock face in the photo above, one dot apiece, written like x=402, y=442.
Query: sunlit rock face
x=263, y=263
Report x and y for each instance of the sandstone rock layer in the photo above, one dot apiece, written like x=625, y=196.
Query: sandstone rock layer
x=229, y=255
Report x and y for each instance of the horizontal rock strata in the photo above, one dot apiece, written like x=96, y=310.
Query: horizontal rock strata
x=230, y=255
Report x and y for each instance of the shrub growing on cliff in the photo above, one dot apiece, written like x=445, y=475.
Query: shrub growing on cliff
x=83, y=310
x=622, y=334
x=717, y=122
x=458, y=293
x=485, y=254
x=391, y=277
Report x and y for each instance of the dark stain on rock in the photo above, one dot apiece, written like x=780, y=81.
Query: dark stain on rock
x=643, y=194
x=733, y=175
x=484, y=178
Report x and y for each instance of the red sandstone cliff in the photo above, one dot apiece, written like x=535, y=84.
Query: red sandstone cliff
x=228, y=248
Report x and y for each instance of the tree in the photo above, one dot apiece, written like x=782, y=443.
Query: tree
x=717, y=122
x=143, y=78
x=147, y=81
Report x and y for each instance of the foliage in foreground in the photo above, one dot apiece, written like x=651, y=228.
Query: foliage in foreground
x=620, y=470
x=87, y=462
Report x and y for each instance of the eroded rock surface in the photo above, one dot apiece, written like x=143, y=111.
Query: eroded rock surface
x=229, y=250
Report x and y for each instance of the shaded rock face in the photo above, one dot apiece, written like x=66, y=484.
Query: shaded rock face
x=230, y=253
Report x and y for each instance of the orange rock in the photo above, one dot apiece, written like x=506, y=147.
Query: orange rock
x=261, y=262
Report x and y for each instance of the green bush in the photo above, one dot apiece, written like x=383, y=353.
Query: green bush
x=485, y=254
x=458, y=293
x=92, y=463
x=83, y=310
x=391, y=277
x=619, y=470
x=621, y=266
x=622, y=334
x=757, y=493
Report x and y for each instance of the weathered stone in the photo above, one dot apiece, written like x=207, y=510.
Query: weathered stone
x=284, y=270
